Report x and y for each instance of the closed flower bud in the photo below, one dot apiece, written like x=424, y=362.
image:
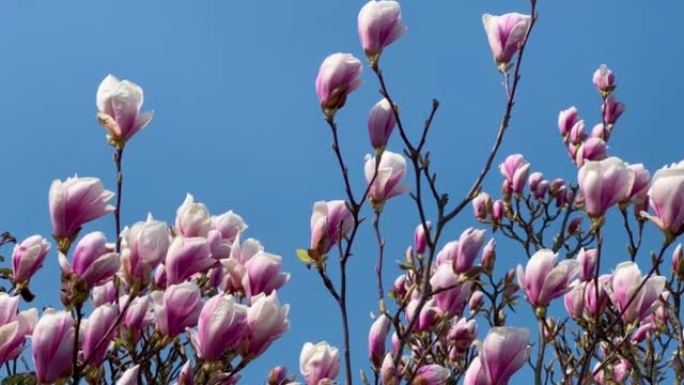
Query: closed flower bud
x=515, y=169
x=678, y=262
x=476, y=301
x=475, y=375
x=277, y=376
x=612, y=110
x=229, y=224
x=318, y=362
x=543, y=280
x=381, y=122
x=452, y=295
x=388, y=182
x=566, y=120
x=497, y=211
x=105, y=293
x=28, y=257
x=574, y=300
x=377, y=337
x=626, y=283
x=338, y=76
x=263, y=274
x=192, y=218
x=603, y=184
x=604, y=80
x=504, y=351
x=73, y=203
x=53, y=346
x=506, y=34
x=462, y=334
x=482, y=206
x=138, y=315
x=489, y=256
x=420, y=238
x=591, y=149
x=534, y=179
x=177, y=308
x=118, y=105
x=575, y=225
x=379, y=25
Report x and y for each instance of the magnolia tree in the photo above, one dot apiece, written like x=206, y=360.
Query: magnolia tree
x=195, y=302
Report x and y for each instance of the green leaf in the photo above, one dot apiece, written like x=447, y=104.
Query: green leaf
x=20, y=379
x=303, y=256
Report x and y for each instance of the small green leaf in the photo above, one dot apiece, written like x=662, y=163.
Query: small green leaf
x=20, y=379
x=303, y=256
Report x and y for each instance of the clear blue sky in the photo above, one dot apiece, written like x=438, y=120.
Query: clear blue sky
x=237, y=122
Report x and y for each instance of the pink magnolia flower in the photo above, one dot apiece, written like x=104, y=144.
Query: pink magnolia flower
x=53, y=346
x=612, y=374
x=118, y=104
x=596, y=305
x=488, y=258
x=144, y=247
x=462, y=253
x=177, y=308
x=678, y=261
x=603, y=79
x=567, y=119
x=420, y=238
x=666, y=196
x=632, y=304
x=462, y=334
x=277, y=376
x=515, y=169
x=318, y=362
x=263, y=275
x=381, y=122
x=476, y=301
x=75, y=202
x=105, y=293
x=587, y=263
x=603, y=184
x=379, y=25
x=591, y=149
x=377, y=337
x=266, y=322
x=543, y=280
x=475, y=375
x=14, y=327
x=130, y=376
x=482, y=206
x=95, y=342
x=505, y=34
x=574, y=300
x=185, y=257
x=28, y=257
x=221, y=325
x=138, y=315
x=330, y=222
x=432, y=374
x=229, y=224
x=94, y=261
x=503, y=352
x=612, y=110
x=192, y=218
x=387, y=183
x=185, y=377
x=338, y=76
x=453, y=300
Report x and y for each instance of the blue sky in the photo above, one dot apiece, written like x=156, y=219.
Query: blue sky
x=237, y=122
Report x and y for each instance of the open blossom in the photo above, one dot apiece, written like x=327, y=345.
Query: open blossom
x=53, y=346
x=338, y=76
x=379, y=25
x=504, y=351
x=177, y=308
x=515, y=169
x=462, y=253
x=505, y=34
x=666, y=196
x=263, y=275
x=75, y=202
x=474, y=375
x=28, y=257
x=318, y=362
x=222, y=323
x=462, y=334
x=543, y=280
x=192, y=218
x=603, y=184
x=387, y=182
x=14, y=328
x=266, y=322
x=377, y=339
x=118, y=104
x=453, y=300
x=144, y=247
x=626, y=280
x=381, y=122
x=94, y=261
x=95, y=341
x=330, y=222
x=187, y=256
